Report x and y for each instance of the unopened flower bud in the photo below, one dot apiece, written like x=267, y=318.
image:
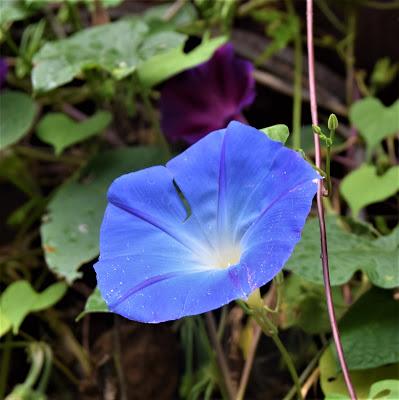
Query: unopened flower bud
x=317, y=130
x=332, y=122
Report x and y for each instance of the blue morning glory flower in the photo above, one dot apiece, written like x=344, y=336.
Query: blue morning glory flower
x=220, y=220
x=207, y=97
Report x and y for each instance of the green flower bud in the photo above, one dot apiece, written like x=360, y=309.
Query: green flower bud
x=317, y=130
x=332, y=122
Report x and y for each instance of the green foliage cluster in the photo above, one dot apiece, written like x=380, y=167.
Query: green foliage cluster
x=78, y=110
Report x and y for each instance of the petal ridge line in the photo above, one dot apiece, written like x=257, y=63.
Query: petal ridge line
x=221, y=209
x=142, y=285
x=149, y=282
x=267, y=208
x=148, y=218
x=264, y=177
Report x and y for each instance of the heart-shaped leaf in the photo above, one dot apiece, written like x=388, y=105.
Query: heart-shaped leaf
x=61, y=131
x=279, y=132
x=333, y=384
x=348, y=253
x=363, y=186
x=17, y=111
x=19, y=299
x=117, y=48
x=387, y=389
x=374, y=121
x=304, y=304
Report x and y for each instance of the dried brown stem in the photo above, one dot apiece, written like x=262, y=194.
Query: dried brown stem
x=221, y=359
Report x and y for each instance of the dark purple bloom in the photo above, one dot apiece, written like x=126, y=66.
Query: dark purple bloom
x=207, y=97
x=3, y=71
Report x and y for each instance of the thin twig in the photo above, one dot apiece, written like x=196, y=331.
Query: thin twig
x=279, y=85
x=57, y=28
x=66, y=372
x=379, y=5
x=39, y=153
x=116, y=335
x=256, y=334
x=320, y=209
x=221, y=359
x=99, y=15
x=86, y=334
x=306, y=372
x=298, y=67
x=269, y=300
x=73, y=112
x=173, y=9
x=329, y=14
x=261, y=317
x=5, y=364
x=347, y=294
x=310, y=381
x=246, y=8
x=350, y=56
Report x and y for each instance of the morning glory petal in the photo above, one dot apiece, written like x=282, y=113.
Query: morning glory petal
x=145, y=207
x=244, y=171
x=135, y=293
x=219, y=221
x=270, y=240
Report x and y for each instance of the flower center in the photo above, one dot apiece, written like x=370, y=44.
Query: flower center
x=227, y=257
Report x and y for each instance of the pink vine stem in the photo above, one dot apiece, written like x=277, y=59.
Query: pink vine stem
x=320, y=209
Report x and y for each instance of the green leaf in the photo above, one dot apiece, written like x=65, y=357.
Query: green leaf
x=61, y=131
x=280, y=26
x=348, y=253
x=384, y=73
x=374, y=121
x=186, y=15
x=170, y=63
x=39, y=4
x=5, y=323
x=70, y=231
x=335, y=396
x=23, y=213
x=19, y=299
x=333, y=384
x=18, y=112
x=355, y=187
x=94, y=304
x=387, y=389
x=118, y=48
x=304, y=305
x=278, y=133
x=106, y=3
x=13, y=10
x=15, y=170
x=369, y=330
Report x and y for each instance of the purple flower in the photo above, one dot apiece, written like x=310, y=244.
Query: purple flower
x=219, y=221
x=206, y=97
x=3, y=71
